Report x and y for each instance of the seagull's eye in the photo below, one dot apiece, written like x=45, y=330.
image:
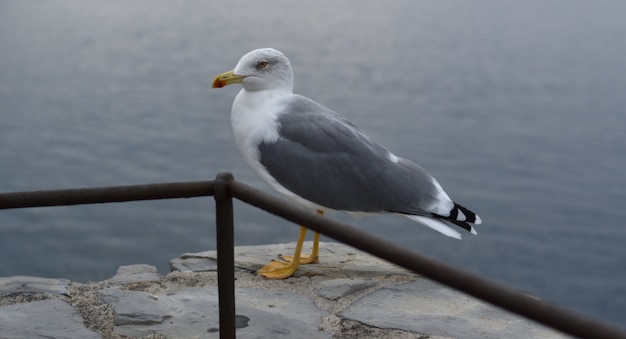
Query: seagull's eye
x=262, y=64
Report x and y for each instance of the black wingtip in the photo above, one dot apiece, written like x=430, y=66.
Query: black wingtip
x=462, y=224
x=470, y=218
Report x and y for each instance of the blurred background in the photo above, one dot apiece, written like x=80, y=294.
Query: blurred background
x=517, y=108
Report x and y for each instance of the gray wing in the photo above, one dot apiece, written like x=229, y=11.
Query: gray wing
x=323, y=158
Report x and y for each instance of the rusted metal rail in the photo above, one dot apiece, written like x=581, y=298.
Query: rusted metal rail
x=82, y=196
x=225, y=188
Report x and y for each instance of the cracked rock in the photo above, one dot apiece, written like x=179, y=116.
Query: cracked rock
x=134, y=307
x=34, y=285
x=334, y=289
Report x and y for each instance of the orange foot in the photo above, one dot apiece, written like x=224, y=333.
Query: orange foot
x=278, y=269
x=304, y=258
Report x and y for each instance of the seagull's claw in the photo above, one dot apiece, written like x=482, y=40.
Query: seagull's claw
x=304, y=259
x=279, y=269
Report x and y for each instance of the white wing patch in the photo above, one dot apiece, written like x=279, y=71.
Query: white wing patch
x=392, y=157
x=442, y=204
x=461, y=216
x=478, y=221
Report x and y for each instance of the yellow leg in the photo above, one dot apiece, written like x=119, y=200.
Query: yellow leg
x=314, y=256
x=284, y=269
x=280, y=269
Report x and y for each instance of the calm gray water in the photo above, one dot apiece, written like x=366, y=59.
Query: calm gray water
x=517, y=108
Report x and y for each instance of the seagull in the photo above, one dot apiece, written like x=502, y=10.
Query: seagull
x=317, y=158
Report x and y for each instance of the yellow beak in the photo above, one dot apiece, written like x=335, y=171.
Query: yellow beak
x=227, y=78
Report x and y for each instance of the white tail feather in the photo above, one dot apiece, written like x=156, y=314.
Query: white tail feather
x=478, y=221
x=437, y=225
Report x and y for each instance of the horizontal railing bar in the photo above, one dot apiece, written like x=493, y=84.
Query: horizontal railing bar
x=80, y=196
x=504, y=297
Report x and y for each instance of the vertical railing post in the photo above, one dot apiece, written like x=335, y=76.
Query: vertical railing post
x=225, y=254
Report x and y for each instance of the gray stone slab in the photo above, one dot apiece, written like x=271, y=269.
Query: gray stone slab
x=279, y=314
x=335, y=260
x=26, y=284
x=51, y=318
x=193, y=263
x=193, y=312
x=334, y=289
x=134, y=307
x=135, y=274
x=428, y=308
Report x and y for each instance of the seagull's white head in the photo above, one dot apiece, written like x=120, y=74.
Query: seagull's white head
x=261, y=69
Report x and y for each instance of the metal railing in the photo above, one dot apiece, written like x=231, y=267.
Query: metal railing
x=224, y=188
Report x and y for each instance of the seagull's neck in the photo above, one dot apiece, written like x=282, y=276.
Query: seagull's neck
x=257, y=99
x=257, y=106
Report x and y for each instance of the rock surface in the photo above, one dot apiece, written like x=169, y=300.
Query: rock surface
x=50, y=318
x=349, y=295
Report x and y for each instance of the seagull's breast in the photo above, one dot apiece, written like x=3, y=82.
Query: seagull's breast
x=254, y=119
